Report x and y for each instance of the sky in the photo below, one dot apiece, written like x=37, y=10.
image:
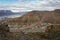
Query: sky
x=29, y=5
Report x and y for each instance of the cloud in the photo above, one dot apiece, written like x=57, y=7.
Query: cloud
x=33, y=5
x=45, y=4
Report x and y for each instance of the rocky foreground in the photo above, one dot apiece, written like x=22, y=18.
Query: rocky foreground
x=52, y=32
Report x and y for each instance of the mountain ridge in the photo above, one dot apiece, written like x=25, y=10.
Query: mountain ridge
x=8, y=12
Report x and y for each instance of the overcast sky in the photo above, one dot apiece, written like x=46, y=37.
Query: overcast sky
x=28, y=5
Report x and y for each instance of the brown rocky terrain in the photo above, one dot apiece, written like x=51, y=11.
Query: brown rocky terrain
x=40, y=25
x=38, y=16
x=33, y=19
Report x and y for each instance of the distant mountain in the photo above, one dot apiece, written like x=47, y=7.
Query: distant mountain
x=8, y=12
x=5, y=12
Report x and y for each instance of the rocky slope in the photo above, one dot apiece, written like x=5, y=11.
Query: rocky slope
x=40, y=25
x=39, y=16
x=34, y=21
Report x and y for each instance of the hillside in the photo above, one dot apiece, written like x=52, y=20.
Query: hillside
x=38, y=16
x=34, y=25
x=52, y=32
x=35, y=21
